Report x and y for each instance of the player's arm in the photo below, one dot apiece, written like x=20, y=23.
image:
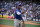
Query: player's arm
x=22, y=18
x=18, y=13
x=24, y=12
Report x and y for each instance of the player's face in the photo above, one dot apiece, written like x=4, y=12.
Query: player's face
x=19, y=7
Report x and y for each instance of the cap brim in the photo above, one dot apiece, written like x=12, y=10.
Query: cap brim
x=20, y=5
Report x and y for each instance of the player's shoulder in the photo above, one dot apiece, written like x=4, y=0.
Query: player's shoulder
x=16, y=9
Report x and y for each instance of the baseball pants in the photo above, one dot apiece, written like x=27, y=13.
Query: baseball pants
x=17, y=23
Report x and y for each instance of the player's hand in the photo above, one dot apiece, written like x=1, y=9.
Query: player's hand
x=23, y=21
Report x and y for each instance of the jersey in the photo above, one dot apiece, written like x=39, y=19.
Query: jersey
x=19, y=17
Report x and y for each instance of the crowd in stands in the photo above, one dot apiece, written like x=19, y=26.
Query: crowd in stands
x=30, y=8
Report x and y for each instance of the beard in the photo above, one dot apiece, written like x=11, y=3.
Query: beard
x=19, y=8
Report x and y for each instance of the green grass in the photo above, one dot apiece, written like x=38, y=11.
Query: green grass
x=30, y=25
x=7, y=22
x=11, y=23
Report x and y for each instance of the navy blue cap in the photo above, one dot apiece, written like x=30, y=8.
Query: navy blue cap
x=19, y=5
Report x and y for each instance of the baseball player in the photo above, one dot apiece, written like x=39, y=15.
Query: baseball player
x=18, y=16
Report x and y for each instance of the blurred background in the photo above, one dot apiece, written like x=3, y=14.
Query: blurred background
x=32, y=7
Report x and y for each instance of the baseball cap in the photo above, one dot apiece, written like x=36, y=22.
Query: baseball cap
x=19, y=5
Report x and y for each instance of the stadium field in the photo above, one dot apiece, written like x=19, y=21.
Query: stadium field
x=10, y=23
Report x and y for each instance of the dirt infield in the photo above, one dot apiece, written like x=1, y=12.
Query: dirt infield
x=31, y=23
x=5, y=26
